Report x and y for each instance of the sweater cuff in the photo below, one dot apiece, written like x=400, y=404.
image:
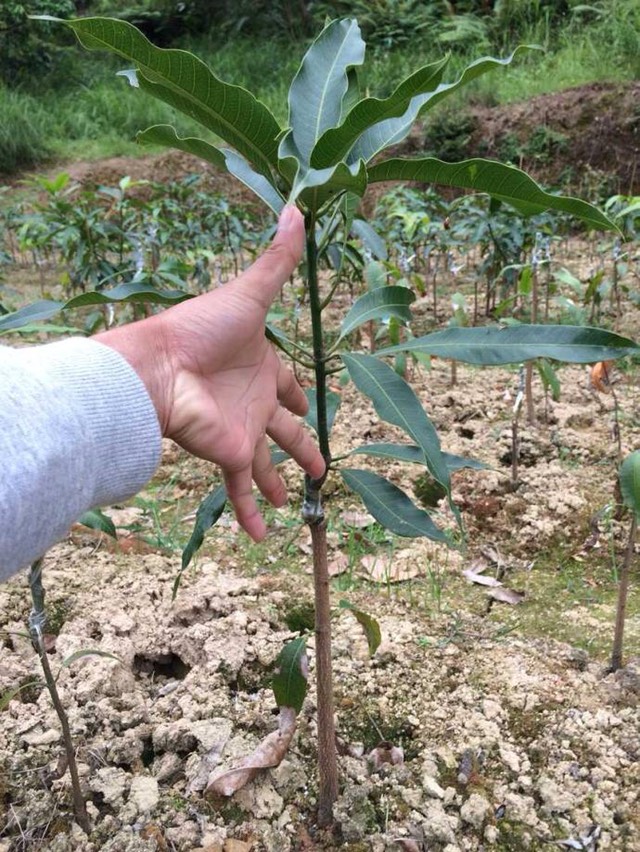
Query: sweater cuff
x=118, y=417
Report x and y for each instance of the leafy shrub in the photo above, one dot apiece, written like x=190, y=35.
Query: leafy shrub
x=385, y=23
x=27, y=50
x=448, y=135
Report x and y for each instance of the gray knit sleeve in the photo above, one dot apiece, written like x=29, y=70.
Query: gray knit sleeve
x=77, y=430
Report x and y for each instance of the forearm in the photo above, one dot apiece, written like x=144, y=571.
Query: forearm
x=77, y=430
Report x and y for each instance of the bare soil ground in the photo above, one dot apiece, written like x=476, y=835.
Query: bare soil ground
x=514, y=735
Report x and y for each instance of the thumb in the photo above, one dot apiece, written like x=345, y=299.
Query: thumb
x=265, y=277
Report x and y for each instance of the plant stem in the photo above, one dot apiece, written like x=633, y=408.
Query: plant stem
x=37, y=621
x=616, y=653
x=313, y=514
x=327, y=765
x=531, y=412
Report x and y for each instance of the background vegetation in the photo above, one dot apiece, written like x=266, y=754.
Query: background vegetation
x=54, y=104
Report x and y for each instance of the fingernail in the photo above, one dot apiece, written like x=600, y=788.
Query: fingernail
x=287, y=218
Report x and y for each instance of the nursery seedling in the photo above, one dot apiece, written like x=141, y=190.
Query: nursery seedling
x=630, y=490
x=323, y=159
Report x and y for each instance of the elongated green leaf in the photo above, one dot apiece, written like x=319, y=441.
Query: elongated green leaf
x=333, y=403
x=368, y=623
x=378, y=303
x=630, y=482
x=336, y=142
x=87, y=652
x=390, y=506
x=319, y=87
x=97, y=520
x=165, y=135
x=549, y=378
x=371, y=240
x=221, y=158
x=394, y=130
x=132, y=292
x=315, y=188
x=413, y=454
x=43, y=309
x=290, y=678
x=492, y=346
x=186, y=83
x=208, y=513
x=258, y=183
x=47, y=328
x=395, y=402
x=506, y=183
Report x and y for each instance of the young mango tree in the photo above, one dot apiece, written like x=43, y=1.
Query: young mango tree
x=329, y=152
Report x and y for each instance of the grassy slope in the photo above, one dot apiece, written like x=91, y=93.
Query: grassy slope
x=94, y=116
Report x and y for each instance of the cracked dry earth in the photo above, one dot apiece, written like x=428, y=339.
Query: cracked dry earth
x=512, y=739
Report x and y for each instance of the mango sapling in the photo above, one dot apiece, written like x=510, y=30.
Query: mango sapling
x=322, y=160
x=630, y=490
x=37, y=623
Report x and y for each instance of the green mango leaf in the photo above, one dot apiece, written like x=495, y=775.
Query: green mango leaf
x=186, y=83
x=290, y=679
x=370, y=239
x=368, y=623
x=375, y=274
x=333, y=403
x=507, y=183
x=514, y=344
x=315, y=188
x=391, y=507
x=378, y=303
x=47, y=328
x=549, y=378
x=413, y=454
x=133, y=292
x=209, y=511
x=165, y=135
x=221, y=158
x=319, y=88
x=352, y=95
x=394, y=130
x=97, y=520
x=395, y=402
x=43, y=309
x=257, y=183
x=630, y=482
x=336, y=142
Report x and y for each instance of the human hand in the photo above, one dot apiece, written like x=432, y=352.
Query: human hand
x=217, y=384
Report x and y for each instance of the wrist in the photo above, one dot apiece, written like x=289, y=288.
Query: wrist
x=144, y=346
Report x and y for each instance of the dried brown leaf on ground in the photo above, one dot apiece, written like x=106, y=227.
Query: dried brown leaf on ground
x=505, y=595
x=480, y=579
x=359, y=520
x=269, y=753
x=385, y=752
x=338, y=564
x=390, y=568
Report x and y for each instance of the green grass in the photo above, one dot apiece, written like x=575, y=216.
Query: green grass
x=24, y=139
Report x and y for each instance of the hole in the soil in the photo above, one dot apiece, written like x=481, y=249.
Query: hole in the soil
x=148, y=753
x=168, y=666
x=467, y=432
x=7, y=642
